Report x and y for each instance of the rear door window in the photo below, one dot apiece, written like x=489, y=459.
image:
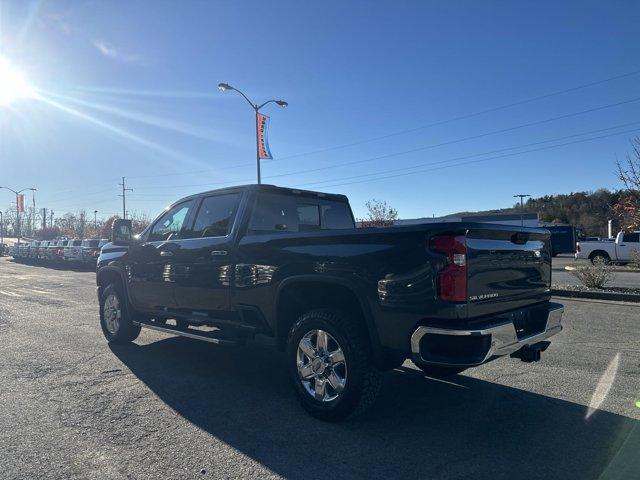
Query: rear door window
x=215, y=216
x=336, y=216
x=631, y=237
x=308, y=216
x=275, y=212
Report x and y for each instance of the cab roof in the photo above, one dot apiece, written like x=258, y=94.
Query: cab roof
x=268, y=188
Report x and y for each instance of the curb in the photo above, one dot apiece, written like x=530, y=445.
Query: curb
x=569, y=268
x=618, y=297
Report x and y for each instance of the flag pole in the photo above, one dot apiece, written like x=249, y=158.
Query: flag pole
x=257, y=145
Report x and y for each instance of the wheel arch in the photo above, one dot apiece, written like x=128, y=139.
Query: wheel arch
x=299, y=294
x=108, y=275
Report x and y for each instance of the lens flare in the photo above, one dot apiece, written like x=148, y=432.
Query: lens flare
x=13, y=85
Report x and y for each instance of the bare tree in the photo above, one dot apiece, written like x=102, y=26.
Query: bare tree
x=628, y=207
x=379, y=214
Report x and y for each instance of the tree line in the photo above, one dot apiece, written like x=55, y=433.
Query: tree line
x=589, y=211
x=70, y=225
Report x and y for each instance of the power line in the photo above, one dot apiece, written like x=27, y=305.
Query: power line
x=490, y=152
x=159, y=197
x=414, y=150
x=480, y=160
x=464, y=117
x=414, y=129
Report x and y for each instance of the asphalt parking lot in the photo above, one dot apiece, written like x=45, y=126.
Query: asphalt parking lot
x=170, y=408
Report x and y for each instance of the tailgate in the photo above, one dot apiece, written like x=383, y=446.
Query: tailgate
x=508, y=268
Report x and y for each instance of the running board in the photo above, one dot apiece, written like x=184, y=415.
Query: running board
x=204, y=336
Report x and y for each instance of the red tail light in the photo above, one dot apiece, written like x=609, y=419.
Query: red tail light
x=452, y=279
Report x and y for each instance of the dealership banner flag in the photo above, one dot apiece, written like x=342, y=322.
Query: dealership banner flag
x=20, y=203
x=263, y=142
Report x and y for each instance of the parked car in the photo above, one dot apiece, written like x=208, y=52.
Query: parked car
x=4, y=249
x=49, y=254
x=58, y=251
x=42, y=251
x=91, y=250
x=23, y=251
x=33, y=250
x=344, y=303
x=73, y=251
x=618, y=251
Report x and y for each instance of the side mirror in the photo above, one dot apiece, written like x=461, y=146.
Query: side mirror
x=121, y=232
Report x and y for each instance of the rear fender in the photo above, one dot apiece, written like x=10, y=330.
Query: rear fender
x=367, y=315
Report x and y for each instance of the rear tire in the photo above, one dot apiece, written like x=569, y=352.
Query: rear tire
x=437, y=371
x=331, y=365
x=115, y=316
x=600, y=258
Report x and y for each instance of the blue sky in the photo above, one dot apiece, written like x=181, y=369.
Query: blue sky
x=129, y=88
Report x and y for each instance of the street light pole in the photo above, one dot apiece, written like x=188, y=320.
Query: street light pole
x=522, y=196
x=18, y=207
x=223, y=87
x=95, y=220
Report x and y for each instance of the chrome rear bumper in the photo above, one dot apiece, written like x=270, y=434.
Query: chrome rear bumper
x=503, y=339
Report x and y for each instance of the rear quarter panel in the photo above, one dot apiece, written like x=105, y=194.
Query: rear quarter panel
x=389, y=269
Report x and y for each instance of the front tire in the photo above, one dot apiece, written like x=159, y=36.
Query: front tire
x=331, y=365
x=115, y=316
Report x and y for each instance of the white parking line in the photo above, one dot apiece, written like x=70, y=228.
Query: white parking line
x=10, y=294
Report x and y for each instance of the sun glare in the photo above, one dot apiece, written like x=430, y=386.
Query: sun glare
x=13, y=85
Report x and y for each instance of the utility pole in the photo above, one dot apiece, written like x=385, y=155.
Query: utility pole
x=95, y=220
x=124, y=197
x=33, y=218
x=44, y=218
x=1, y=229
x=522, y=197
x=51, y=218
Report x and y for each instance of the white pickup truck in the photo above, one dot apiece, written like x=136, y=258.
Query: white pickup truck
x=618, y=251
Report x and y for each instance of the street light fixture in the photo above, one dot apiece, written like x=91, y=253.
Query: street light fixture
x=18, y=207
x=223, y=87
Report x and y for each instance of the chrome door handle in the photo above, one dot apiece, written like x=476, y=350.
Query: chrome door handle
x=216, y=253
x=166, y=253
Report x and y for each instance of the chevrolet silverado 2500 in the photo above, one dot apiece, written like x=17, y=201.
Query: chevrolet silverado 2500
x=344, y=303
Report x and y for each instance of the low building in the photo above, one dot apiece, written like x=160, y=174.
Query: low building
x=526, y=219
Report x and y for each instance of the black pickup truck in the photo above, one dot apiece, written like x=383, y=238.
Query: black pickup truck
x=344, y=303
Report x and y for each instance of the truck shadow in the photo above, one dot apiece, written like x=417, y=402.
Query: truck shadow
x=420, y=427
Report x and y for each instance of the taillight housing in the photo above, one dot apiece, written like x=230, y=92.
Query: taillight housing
x=452, y=279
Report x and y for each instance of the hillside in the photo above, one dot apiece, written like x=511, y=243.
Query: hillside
x=588, y=211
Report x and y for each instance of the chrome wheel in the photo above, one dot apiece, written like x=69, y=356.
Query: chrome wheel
x=112, y=313
x=321, y=365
